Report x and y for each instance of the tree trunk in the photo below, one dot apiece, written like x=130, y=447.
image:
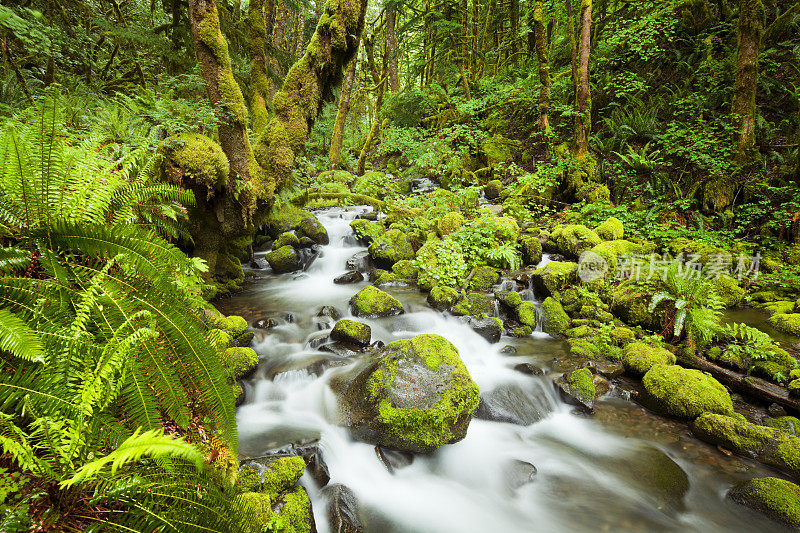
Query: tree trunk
x=391, y=51
x=335, y=156
x=544, y=66
x=380, y=83
x=583, y=97
x=308, y=84
x=514, y=16
x=259, y=81
x=751, y=29
x=278, y=43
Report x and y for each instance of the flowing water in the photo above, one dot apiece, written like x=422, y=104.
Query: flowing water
x=611, y=471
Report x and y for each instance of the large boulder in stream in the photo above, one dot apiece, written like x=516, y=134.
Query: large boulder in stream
x=373, y=302
x=776, y=498
x=684, y=392
x=413, y=395
x=284, y=259
x=389, y=248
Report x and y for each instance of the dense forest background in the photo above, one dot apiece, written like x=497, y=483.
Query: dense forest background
x=148, y=148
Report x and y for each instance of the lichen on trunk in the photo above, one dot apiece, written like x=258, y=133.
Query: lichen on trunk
x=308, y=85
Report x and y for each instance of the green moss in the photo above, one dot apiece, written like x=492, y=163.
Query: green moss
x=639, y=357
x=406, y=269
x=777, y=498
x=526, y=314
x=498, y=148
x=777, y=307
x=285, y=219
x=259, y=507
x=685, y=393
x=621, y=336
x=787, y=322
x=219, y=338
x=240, y=361
x=554, y=319
x=451, y=222
x=574, y=239
x=493, y=189
x=284, y=259
x=788, y=424
x=366, y=231
x=391, y=247
x=581, y=384
x=581, y=331
x=234, y=325
x=504, y=229
x=583, y=348
x=443, y=298
x=611, y=250
x=351, y=331
x=296, y=514
x=610, y=230
x=630, y=303
x=313, y=229
x=480, y=303
x=441, y=263
x=702, y=251
x=483, y=278
x=191, y=158
x=729, y=291
x=510, y=299
x=373, y=302
x=554, y=276
x=286, y=239
x=282, y=474
x=531, y=248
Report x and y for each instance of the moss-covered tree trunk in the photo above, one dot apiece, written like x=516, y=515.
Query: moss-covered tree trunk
x=544, y=65
x=380, y=84
x=750, y=32
x=583, y=97
x=258, y=22
x=308, y=84
x=335, y=155
x=391, y=51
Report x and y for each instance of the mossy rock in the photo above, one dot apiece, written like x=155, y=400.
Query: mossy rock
x=778, y=307
x=531, y=248
x=510, y=299
x=389, y=248
x=296, y=514
x=406, y=269
x=282, y=474
x=366, y=231
x=630, y=304
x=578, y=388
x=581, y=347
x=286, y=239
x=702, y=252
x=443, y=298
x=373, y=302
x=313, y=229
x=610, y=230
x=284, y=259
x=480, y=303
x=241, y=362
x=483, y=278
x=573, y=239
x=729, y=291
x=639, y=357
x=351, y=331
x=285, y=219
x=257, y=506
x=498, y=148
x=786, y=322
x=493, y=189
x=622, y=336
x=554, y=276
x=416, y=396
x=191, y=158
x=768, y=445
x=555, y=320
x=450, y=223
x=788, y=424
x=441, y=263
x=505, y=229
x=776, y=498
x=526, y=314
x=611, y=250
x=685, y=393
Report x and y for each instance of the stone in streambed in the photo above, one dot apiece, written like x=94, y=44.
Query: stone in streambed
x=531, y=250
x=373, y=302
x=684, y=393
x=343, y=513
x=519, y=473
x=414, y=395
x=284, y=259
x=389, y=248
x=360, y=262
x=640, y=357
x=351, y=276
x=555, y=320
x=393, y=459
x=286, y=239
x=577, y=388
x=442, y=298
x=351, y=331
x=313, y=229
x=776, y=498
x=512, y=404
x=241, y=362
x=490, y=328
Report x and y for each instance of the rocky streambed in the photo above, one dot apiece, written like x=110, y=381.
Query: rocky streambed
x=526, y=461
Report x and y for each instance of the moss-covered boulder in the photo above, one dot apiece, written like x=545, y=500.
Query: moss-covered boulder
x=630, y=304
x=554, y=276
x=776, y=498
x=450, y=223
x=729, y=291
x=504, y=229
x=284, y=259
x=191, y=158
x=639, y=357
x=443, y=298
x=685, y=393
x=286, y=239
x=610, y=252
x=498, y=148
x=416, y=395
x=240, y=362
x=786, y=322
x=285, y=219
x=493, y=189
x=573, y=239
x=366, y=231
x=577, y=388
x=351, y=331
x=483, y=278
x=531, y=248
x=373, y=302
x=526, y=314
x=610, y=230
x=768, y=445
x=555, y=320
x=313, y=229
x=389, y=248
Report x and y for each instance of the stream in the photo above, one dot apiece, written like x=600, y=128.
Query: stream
x=619, y=469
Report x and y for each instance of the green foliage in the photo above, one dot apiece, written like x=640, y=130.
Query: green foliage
x=693, y=304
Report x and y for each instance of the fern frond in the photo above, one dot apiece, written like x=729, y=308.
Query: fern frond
x=18, y=339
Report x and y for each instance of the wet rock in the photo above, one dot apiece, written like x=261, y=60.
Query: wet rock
x=240, y=392
x=343, y=515
x=329, y=311
x=245, y=339
x=389, y=248
x=360, y=262
x=609, y=369
x=369, y=215
x=508, y=350
x=265, y=323
x=553, y=277
x=512, y=404
x=655, y=473
x=308, y=450
x=529, y=368
x=241, y=362
x=776, y=498
x=305, y=242
x=342, y=349
x=284, y=259
x=318, y=339
x=442, y=298
x=393, y=459
x=313, y=229
x=776, y=411
x=601, y=385
x=318, y=367
x=577, y=388
x=531, y=250
x=684, y=393
x=489, y=328
x=519, y=473
x=308, y=256
x=492, y=189
x=640, y=357
x=350, y=331
x=373, y=302
x=413, y=395
x=352, y=276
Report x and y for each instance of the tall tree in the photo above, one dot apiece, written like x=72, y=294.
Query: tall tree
x=258, y=22
x=335, y=155
x=380, y=84
x=583, y=96
x=540, y=43
x=391, y=49
x=750, y=32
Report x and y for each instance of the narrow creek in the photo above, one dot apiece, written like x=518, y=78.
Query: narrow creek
x=622, y=469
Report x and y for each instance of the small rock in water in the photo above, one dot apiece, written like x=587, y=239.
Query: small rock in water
x=352, y=276
x=329, y=311
x=318, y=367
x=342, y=509
x=529, y=368
x=519, y=473
x=488, y=327
x=265, y=323
x=610, y=370
x=508, y=350
x=242, y=396
x=317, y=340
x=512, y=404
x=255, y=265
x=342, y=349
x=360, y=262
x=393, y=459
x=351, y=331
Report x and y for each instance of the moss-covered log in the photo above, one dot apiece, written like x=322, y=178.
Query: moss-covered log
x=309, y=83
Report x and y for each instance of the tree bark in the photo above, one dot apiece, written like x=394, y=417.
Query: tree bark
x=308, y=84
x=583, y=97
x=259, y=81
x=380, y=83
x=335, y=155
x=391, y=51
x=544, y=66
x=750, y=32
